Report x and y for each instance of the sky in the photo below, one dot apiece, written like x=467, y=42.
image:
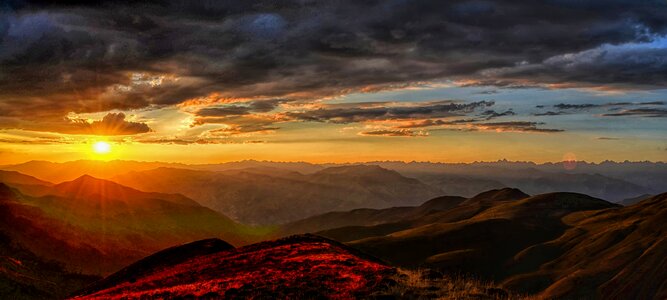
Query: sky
x=334, y=81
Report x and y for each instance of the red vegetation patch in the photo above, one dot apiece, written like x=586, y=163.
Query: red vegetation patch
x=300, y=266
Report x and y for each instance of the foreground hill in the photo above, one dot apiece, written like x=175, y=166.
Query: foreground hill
x=300, y=266
x=368, y=216
x=613, y=254
x=271, y=196
x=556, y=245
x=96, y=226
x=296, y=267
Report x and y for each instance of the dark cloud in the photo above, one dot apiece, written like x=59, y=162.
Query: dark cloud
x=257, y=106
x=611, y=104
x=640, y=112
x=350, y=114
x=550, y=113
x=437, y=122
x=492, y=114
x=240, y=124
x=478, y=124
x=230, y=110
x=611, y=66
x=84, y=56
x=575, y=106
x=519, y=126
x=489, y=92
x=111, y=124
x=394, y=132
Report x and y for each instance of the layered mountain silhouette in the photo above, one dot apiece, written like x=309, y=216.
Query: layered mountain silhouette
x=272, y=196
x=368, y=216
x=97, y=226
x=20, y=179
x=613, y=181
x=67, y=171
x=59, y=237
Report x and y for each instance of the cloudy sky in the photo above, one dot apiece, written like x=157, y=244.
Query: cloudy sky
x=332, y=81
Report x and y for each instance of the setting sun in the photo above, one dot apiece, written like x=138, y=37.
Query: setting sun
x=101, y=147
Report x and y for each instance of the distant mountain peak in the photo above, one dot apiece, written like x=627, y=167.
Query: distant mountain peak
x=86, y=181
x=86, y=177
x=357, y=170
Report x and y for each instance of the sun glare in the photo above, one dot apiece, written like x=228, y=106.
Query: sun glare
x=101, y=147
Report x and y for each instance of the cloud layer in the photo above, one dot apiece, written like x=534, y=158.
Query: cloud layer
x=256, y=56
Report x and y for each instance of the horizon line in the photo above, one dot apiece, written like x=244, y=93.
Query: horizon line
x=342, y=163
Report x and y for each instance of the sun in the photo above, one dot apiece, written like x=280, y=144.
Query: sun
x=102, y=147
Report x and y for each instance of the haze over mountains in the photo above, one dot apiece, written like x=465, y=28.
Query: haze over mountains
x=254, y=192
x=272, y=196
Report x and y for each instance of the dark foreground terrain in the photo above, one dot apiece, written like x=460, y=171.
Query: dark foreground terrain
x=556, y=246
x=498, y=244
x=297, y=267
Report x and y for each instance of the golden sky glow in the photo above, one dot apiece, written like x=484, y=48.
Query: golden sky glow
x=278, y=84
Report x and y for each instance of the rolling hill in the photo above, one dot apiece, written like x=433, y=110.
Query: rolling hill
x=555, y=245
x=367, y=216
x=613, y=254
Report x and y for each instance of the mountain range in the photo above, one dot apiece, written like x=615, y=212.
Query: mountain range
x=613, y=181
x=559, y=245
